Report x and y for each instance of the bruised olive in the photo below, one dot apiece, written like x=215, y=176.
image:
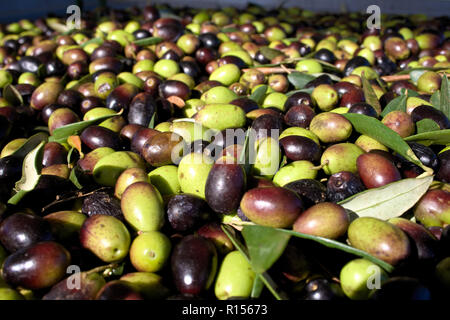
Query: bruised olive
x=266, y=125
x=428, y=112
x=142, y=109
x=96, y=137
x=342, y=185
x=400, y=122
x=102, y=203
x=163, y=148
x=21, y=230
x=309, y=190
x=88, y=103
x=300, y=148
x=186, y=211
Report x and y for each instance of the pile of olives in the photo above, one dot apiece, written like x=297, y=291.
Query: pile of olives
x=144, y=115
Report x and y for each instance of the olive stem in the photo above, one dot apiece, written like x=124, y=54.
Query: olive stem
x=102, y=268
x=320, y=166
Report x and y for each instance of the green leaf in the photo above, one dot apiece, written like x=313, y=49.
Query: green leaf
x=389, y=201
x=436, y=99
x=73, y=177
x=259, y=94
x=369, y=94
x=299, y=79
x=340, y=246
x=231, y=29
x=408, y=71
x=265, y=278
x=30, y=144
x=62, y=133
x=148, y=41
x=245, y=153
x=258, y=286
x=432, y=137
x=31, y=173
x=93, y=40
x=396, y=104
x=444, y=105
x=12, y=95
x=87, y=78
x=270, y=53
x=427, y=125
x=151, y=124
x=376, y=130
x=265, y=246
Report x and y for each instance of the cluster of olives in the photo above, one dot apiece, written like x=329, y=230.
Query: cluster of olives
x=136, y=199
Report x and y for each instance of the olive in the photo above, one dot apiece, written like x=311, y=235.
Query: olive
x=141, y=136
x=118, y=290
x=174, y=88
x=209, y=40
x=245, y=103
x=186, y=212
x=300, y=148
x=88, y=103
x=29, y=64
x=163, y=148
x=45, y=94
x=363, y=108
x=107, y=63
x=400, y=122
x=142, y=109
x=376, y=171
x=194, y=265
x=325, y=55
x=266, y=125
x=443, y=174
x=89, y=285
x=54, y=153
x=96, y=137
x=342, y=185
x=351, y=97
x=299, y=116
x=121, y=97
x=355, y=62
x=322, y=289
x=70, y=98
x=21, y=230
x=401, y=288
x=331, y=127
x=54, y=67
x=428, y=112
x=10, y=169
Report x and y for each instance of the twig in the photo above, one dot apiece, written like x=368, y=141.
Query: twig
x=78, y=195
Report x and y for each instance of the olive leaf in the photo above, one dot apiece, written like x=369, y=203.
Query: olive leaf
x=258, y=236
x=31, y=173
x=62, y=133
x=151, y=124
x=369, y=94
x=373, y=128
x=259, y=94
x=299, y=79
x=270, y=53
x=85, y=79
x=396, y=104
x=436, y=99
x=265, y=278
x=389, y=201
x=93, y=40
x=230, y=29
x=415, y=75
x=444, y=105
x=31, y=143
x=12, y=95
x=74, y=179
x=408, y=71
x=432, y=137
x=264, y=248
x=426, y=125
x=257, y=288
x=245, y=153
x=148, y=41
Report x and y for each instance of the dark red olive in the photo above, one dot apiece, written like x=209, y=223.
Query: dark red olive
x=140, y=138
x=118, y=290
x=10, y=169
x=266, y=125
x=151, y=84
x=233, y=60
x=110, y=64
x=351, y=97
x=96, y=137
x=245, y=103
x=77, y=69
x=363, y=108
x=128, y=131
x=174, y=88
x=402, y=85
x=21, y=230
x=54, y=153
x=300, y=148
x=102, y=52
x=429, y=112
x=376, y=171
x=26, y=91
x=70, y=98
x=309, y=190
x=190, y=68
x=343, y=87
x=120, y=98
x=142, y=109
x=193, y=264
x=39, y=266
x=54, y=67
x=186, y=212
x=205, y=55
x=354, y=63
x=225, y=186
x=299, y=98
x=89, y=103
x=443, y=173
x=299, y=116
